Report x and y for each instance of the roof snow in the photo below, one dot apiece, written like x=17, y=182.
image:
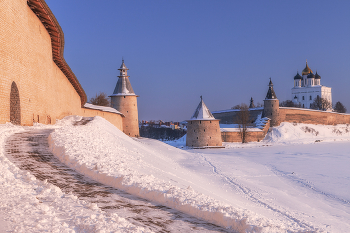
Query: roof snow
x=202, y=112
x=102, y=108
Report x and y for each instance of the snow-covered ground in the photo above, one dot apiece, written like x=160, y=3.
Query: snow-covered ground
x=297, y=180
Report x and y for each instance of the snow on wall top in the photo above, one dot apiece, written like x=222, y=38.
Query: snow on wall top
x=102, y=108
x=202, y=112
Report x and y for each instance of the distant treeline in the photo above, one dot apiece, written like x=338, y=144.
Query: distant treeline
x=164, y=134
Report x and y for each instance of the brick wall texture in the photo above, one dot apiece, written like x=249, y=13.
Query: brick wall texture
x=44, y=93
x=255, y=136
x=203, y=133
x=312, y=116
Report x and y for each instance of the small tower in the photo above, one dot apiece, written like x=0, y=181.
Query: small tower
x=203, y=130
x=271, y=106
x=125, y=101
x=251, y=105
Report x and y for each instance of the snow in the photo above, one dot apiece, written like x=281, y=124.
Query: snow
x=296, y=180
x=30, y=205
x=102, y=108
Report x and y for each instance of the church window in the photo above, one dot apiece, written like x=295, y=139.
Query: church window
x=303, y=98
x=310, y=97
x=303, y=104
x=318, y=96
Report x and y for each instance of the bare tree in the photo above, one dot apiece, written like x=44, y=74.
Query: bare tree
x=236, y=107
x=321, y=104
x=339, y=107
x=289, y=103
x=243, y=121
x=101, y=99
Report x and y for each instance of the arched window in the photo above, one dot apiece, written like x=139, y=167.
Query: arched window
x=15, y=106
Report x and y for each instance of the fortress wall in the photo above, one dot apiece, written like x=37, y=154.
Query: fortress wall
x=254, y=136
x=45, y=93
x=308, y=116
x=114, y=118
x=230, y=116
x=26, y=58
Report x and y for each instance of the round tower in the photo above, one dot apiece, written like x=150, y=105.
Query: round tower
x=203, y=130
x=271, y=106
x=124, y=100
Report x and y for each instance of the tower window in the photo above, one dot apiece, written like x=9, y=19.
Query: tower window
x=194, y=130
x=124, y=96
x=197, y=137
x=204, y=130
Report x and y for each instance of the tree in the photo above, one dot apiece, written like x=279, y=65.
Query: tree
x=290, y=104
x=339, y=107
x=236, y=107
x=243, y=121
x=101, y=99
x=321, y=104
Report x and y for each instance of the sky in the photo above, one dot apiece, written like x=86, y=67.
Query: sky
x=225, y=51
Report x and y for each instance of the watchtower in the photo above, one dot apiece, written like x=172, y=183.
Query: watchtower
x=271, y=106
x=124, y=100
x=203, y=130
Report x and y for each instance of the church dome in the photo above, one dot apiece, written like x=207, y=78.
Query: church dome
x=297, y=76
x=306, y=70
x=317, y=76
x=310, y=75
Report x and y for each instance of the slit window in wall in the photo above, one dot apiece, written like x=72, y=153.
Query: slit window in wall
x=200, y=122
x=204, y=130
x=194, y=130
x=197, y=137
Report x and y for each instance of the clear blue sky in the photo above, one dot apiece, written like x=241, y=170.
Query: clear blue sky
x=223, y=50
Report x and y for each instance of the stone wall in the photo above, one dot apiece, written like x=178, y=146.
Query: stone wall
x=252, y=136
x=115, y=119
x=308, y=116
x=32, y=86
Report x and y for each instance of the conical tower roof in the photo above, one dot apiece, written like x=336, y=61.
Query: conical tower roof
x=270, y=93
x=123, y=86
x=202, y=112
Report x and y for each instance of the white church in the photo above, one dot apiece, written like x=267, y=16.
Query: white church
x=308, y=87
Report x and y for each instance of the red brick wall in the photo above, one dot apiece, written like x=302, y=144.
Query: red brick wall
x=45, y=93
x=309, y=116
x=254, y=136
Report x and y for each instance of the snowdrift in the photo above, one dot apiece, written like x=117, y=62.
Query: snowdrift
x=102, y=152
x=295, y=133
x=31, y=205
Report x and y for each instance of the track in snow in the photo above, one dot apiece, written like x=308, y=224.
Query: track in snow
x=30, y=151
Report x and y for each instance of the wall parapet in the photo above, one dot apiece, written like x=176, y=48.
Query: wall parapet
x=43, y=12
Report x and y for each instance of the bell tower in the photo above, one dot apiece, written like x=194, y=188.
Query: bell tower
x=124, y=100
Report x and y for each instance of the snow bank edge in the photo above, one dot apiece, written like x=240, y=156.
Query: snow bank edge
x=168, y=200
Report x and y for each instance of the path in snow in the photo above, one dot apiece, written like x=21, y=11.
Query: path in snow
x=30, y=151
